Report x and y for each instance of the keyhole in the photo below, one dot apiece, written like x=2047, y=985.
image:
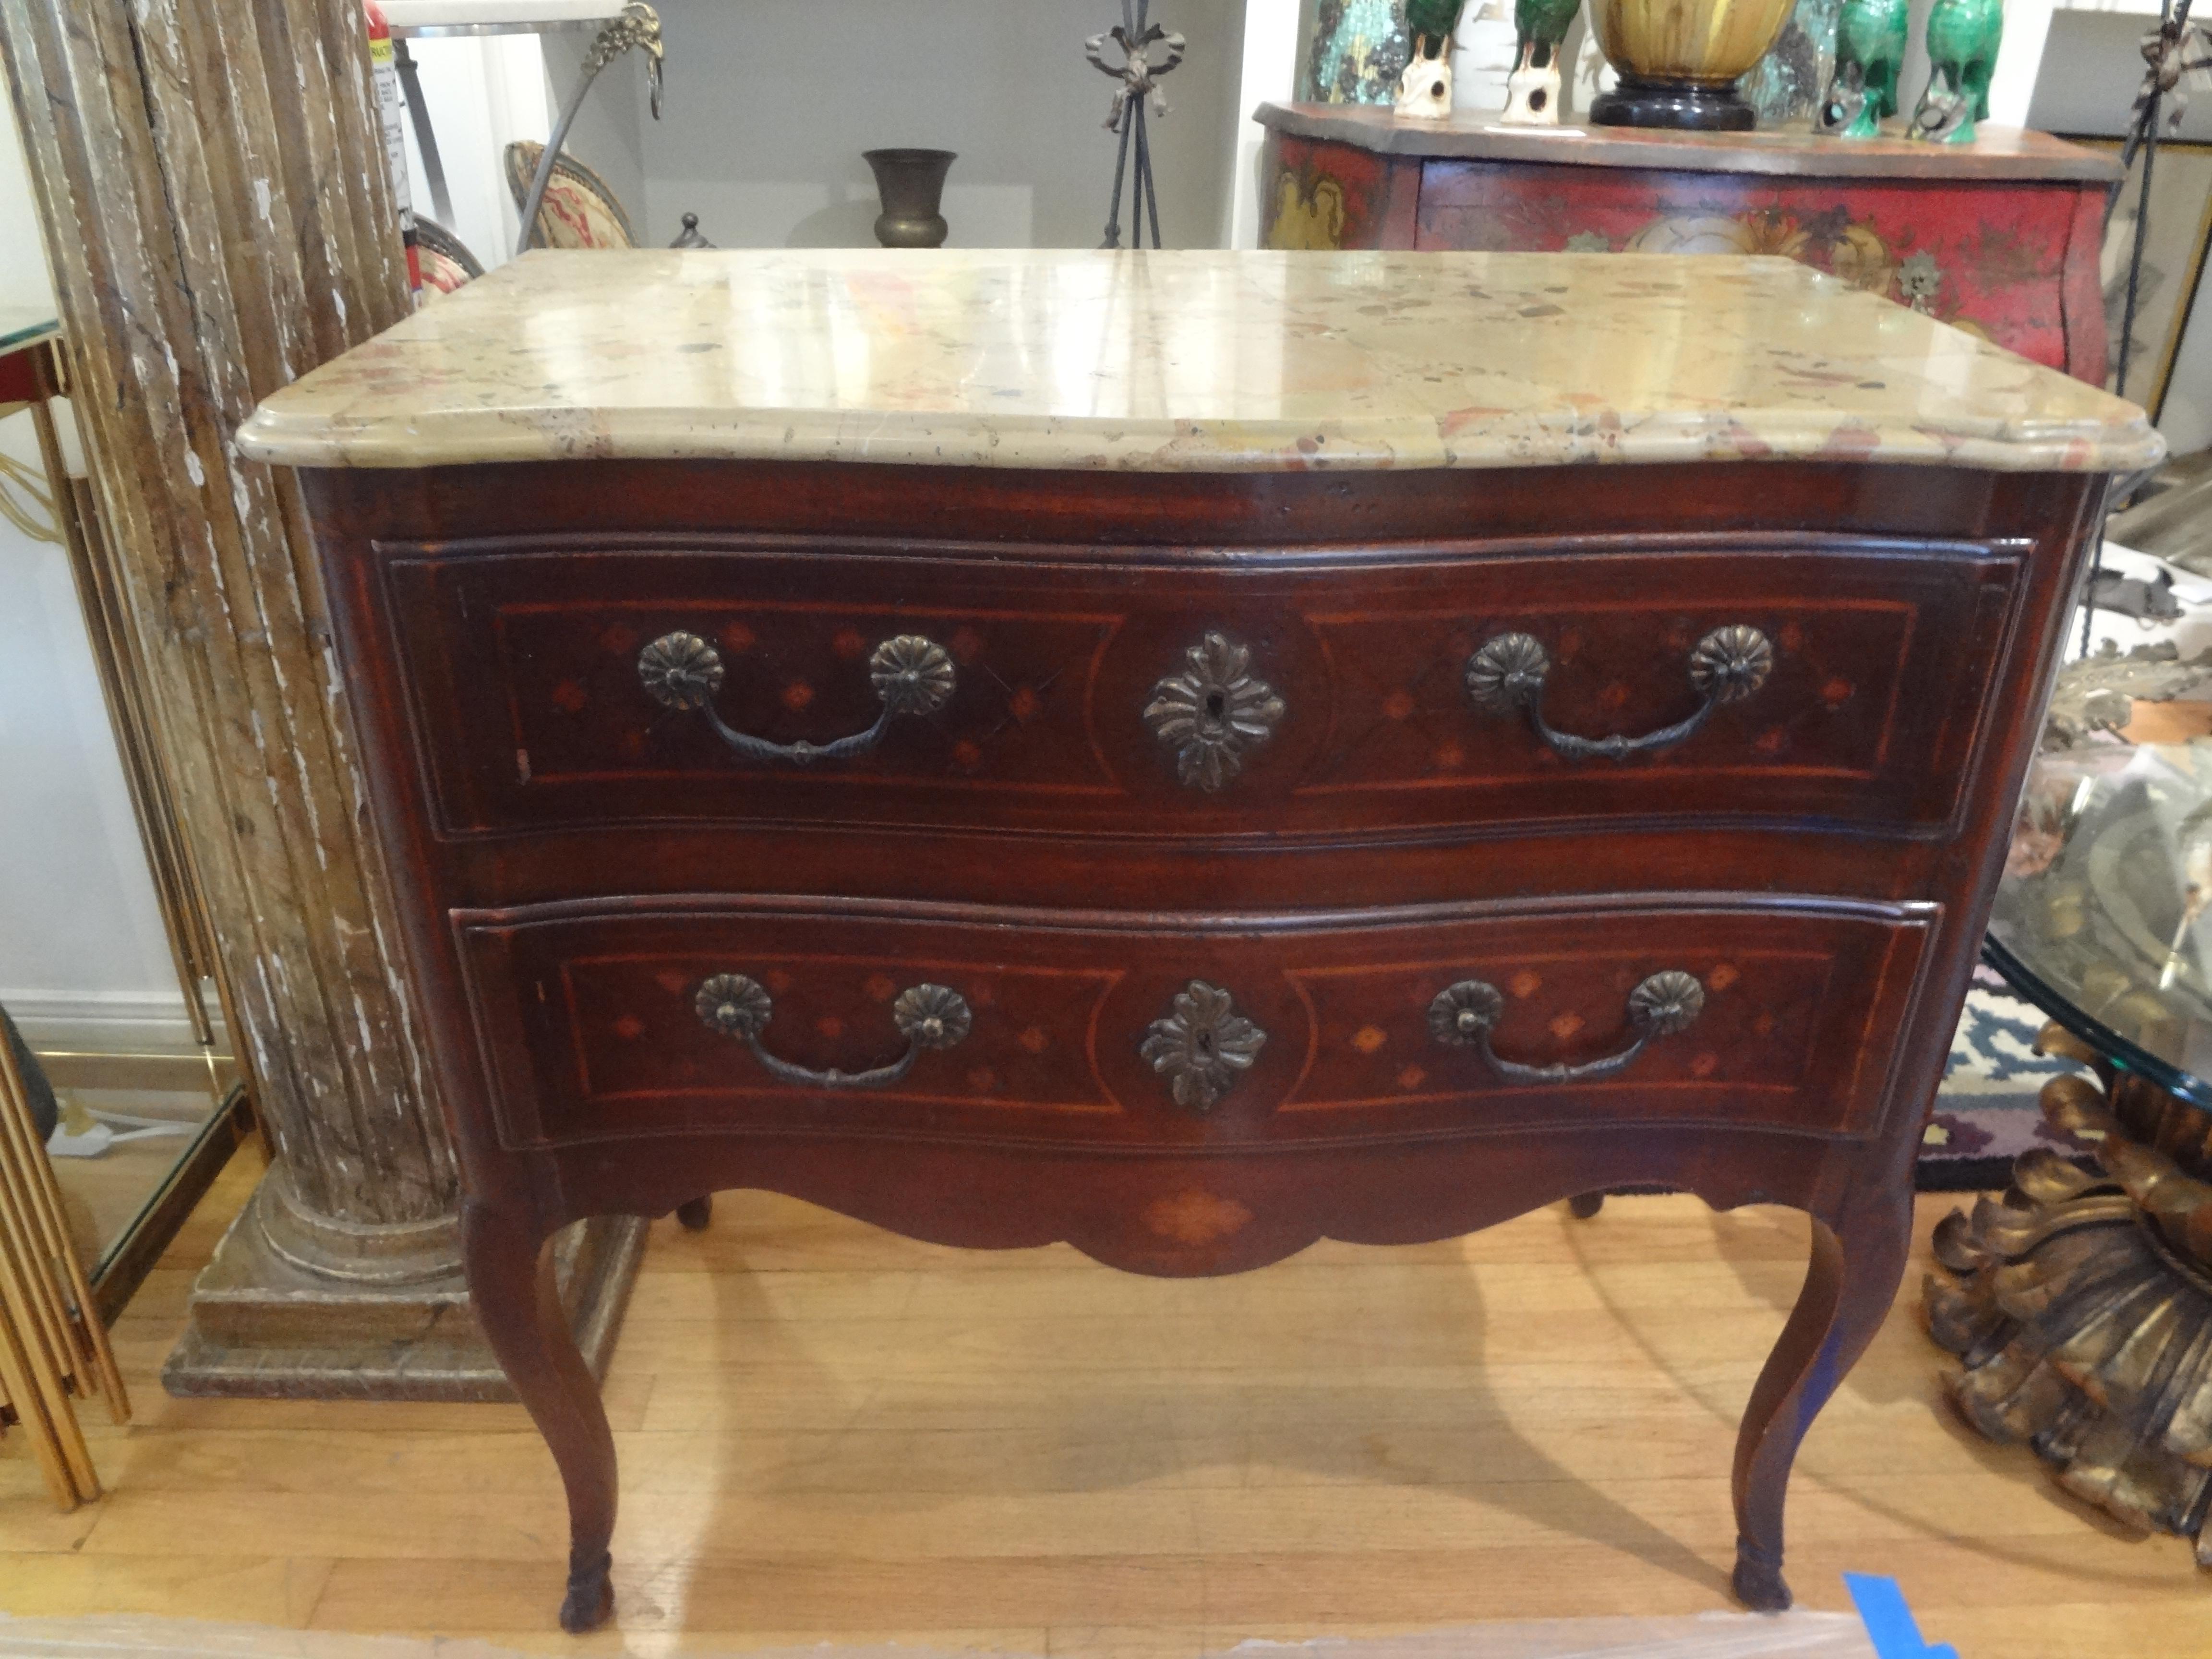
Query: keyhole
x=1217, y=704
x=1205, y=1043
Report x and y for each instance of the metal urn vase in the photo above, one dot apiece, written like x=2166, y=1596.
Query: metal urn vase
x=1680, y=60
x=911, y=183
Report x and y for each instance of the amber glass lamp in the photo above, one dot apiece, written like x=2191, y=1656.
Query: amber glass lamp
x=1679, y=60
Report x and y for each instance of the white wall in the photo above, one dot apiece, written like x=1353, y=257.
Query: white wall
x=23, y=276
x=1268, y=73
x=84, y=959
x=482, y=94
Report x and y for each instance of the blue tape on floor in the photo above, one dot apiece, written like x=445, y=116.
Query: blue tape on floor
x=1888, y=1621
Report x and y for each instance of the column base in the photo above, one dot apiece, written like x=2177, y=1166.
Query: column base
x=263, y=1327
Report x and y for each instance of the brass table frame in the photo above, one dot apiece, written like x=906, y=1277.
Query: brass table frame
x=54, y=1346
x=53, y=1316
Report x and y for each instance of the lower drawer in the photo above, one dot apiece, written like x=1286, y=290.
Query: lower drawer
x=808, y=1017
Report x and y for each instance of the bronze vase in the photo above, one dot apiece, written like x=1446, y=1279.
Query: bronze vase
x=1680, y=60
x=911, y=183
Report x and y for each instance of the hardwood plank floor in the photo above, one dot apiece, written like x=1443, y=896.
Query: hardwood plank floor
x=832, y=1434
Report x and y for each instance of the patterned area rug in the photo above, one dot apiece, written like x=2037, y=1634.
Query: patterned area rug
x=1986, y=1112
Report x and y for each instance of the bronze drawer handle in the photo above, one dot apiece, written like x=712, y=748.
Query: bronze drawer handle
x=1508, y=673
x=927, y=1016
x=1663, y=1005
x=912, y=675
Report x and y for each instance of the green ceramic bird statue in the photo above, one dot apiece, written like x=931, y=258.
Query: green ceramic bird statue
x=1425, y=90
x=1963, y=36
x=1542, y=23
x=1869, y=53
x=1532, y=89
x=1431, y=24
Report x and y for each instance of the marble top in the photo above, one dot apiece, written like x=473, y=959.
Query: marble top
x=1182, y=361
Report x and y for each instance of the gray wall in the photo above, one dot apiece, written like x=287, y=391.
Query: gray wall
x=770, y=102
x=2092, y=69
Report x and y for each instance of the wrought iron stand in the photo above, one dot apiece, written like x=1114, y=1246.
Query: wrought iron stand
x=1136, y=36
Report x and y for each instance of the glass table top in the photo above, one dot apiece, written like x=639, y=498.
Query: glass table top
x=2104, y=918
x=23, y=326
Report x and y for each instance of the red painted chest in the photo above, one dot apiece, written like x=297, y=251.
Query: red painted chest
x=1999, y=237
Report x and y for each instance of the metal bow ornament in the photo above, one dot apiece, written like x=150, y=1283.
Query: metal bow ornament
x=1138, y=76
x=1140, y=79
x=638, y=26
x=2179, y=53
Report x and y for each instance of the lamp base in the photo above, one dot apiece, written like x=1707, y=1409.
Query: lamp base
x=1693, y=105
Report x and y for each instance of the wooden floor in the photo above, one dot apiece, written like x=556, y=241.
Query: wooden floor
x=831, y=1434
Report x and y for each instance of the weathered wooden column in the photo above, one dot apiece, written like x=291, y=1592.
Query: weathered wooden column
x=213, y=180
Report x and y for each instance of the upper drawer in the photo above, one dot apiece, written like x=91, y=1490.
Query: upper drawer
x=1170, y=697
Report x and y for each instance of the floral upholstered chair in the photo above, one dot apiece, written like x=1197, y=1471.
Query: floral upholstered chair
x=579, y=209
x=447, y=262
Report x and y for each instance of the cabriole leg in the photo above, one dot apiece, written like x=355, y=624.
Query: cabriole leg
x=511, y=1282
x=1856, y=1264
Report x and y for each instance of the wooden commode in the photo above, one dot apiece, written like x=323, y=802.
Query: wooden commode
x=1190, y=753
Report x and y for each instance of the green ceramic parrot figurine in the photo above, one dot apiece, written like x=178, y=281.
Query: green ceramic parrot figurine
x=1538, y=25
x=1869, y=53
x=1963, y=36
x=1431, y=24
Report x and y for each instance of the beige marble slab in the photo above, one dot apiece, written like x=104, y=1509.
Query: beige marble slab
x=1182, y=361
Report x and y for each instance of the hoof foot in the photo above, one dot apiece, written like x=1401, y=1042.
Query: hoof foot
x=1583, y=1205
x=696, y=1213
x=591, y=1596
x=1758, y=1582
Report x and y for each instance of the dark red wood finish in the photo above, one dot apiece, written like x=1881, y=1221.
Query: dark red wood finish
x=1827, y=886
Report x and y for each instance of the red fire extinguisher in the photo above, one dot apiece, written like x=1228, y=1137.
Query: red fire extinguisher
x=395, y=146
